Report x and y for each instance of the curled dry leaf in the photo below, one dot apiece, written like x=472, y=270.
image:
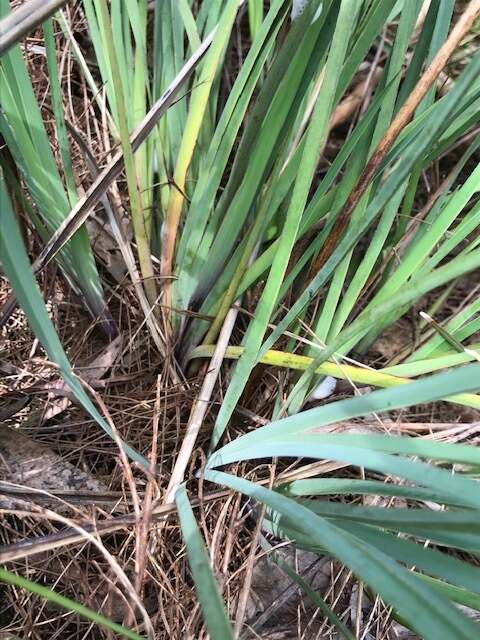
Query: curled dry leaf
x=92, y=373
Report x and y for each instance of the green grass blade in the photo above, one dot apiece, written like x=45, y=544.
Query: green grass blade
x=428, y=389
x=269, y=123
x=255, y=16
x=66, y=603
x=347, y=486
x=376, y=314
x=361, y=375
x=427, y=612
x=219, y=152
x=141, y=217
x=215, y=616
x=402, y=170
x=22, y=126
x=456, y=594
x=197, y=108
x=434, y=562
x=454, y=528
x=57, y=104
x=316, y=136
x=334, y=448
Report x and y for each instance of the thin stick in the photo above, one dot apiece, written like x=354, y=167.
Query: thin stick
x=450, y=339
x=28, y=16
x=124, y=245
x=247, y=581
x=34, y=546
x=200, y=406
x=70, y=536
x=91, y=536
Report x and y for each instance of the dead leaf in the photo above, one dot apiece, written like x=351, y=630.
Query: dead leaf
x=95, y=371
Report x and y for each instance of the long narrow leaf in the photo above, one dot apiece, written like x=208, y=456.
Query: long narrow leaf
x=213, y=609
x=67, y=604
x=427, y=612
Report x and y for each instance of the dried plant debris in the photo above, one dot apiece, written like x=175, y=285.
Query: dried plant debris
x=32, y=465
x=274, y=598
x=393, y=340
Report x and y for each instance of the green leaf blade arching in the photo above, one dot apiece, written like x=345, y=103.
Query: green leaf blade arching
x=427, y=612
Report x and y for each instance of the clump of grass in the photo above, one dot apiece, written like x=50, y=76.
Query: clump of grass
x=240, y=200
x=22, y=127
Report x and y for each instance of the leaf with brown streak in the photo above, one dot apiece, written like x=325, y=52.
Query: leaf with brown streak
x=468, y=17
